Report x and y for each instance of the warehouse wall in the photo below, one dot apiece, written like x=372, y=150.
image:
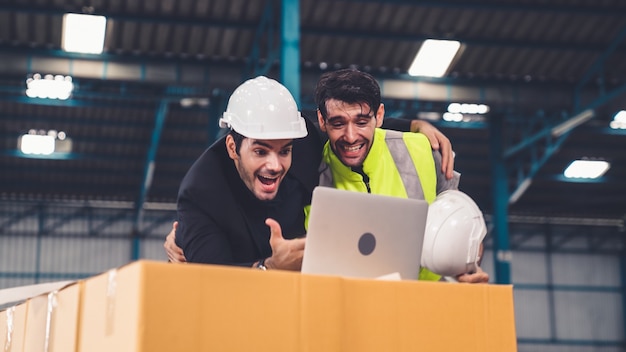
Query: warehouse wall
x=566, y=299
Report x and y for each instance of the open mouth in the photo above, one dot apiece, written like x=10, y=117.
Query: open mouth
x=268, y=181
x=353, y=148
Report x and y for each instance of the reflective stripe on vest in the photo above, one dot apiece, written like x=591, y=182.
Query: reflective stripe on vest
x=404, y=163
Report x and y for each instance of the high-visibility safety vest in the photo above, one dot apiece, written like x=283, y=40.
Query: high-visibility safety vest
x=398, y=164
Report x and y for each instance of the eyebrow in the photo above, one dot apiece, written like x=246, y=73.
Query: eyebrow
x=269, y=146
x=358, y=116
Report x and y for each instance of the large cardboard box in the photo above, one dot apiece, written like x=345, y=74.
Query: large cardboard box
x=13, y=328
x=3, y=329
x=156, y=306
x=52, y=320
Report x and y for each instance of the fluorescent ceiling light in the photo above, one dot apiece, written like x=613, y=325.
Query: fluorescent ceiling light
x=452, y=116
x=49, y=86
x=83, y=33
x=44, y=143
x=36, y=144
x=458, y=108
x=619, y=120
x=434, y=58
x=586, y=169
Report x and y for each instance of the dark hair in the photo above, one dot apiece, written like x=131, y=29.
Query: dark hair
x=348, y=85
x=238, y=138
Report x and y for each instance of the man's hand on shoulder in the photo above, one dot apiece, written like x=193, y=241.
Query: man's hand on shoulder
x=438, y=141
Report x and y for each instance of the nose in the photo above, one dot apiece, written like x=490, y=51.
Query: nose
x=350, y=134
x=272, y=162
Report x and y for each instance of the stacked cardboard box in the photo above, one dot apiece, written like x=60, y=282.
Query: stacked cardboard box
x=47, y=322
x=13, y=328
x=150, y=306
x=156, y=306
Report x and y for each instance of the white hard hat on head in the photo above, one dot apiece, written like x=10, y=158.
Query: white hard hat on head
x=262, y=108
x=455, y=228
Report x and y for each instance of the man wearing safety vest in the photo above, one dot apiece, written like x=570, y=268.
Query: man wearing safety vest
x=361, y=157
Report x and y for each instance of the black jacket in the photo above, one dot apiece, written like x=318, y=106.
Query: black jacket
x=222, y=222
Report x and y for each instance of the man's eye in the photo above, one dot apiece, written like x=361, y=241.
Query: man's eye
x=285, y=152
x=260, y=152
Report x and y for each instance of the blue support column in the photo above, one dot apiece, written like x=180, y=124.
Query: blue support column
x=290, y=47
x=147, y=175
x=501, y=248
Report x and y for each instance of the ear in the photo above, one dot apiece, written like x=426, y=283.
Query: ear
x=380, y=115
x=321, y=121
x=231, y=148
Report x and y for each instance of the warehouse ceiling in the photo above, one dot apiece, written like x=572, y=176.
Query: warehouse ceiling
x=143, y=110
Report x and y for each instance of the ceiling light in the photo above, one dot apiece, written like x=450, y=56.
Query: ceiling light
x=44, y=143
x=49, y=86
x=619, y=120
x=453, y=117
x=475, y=109
x=434, y=58
x=586, y=169
x=36, y=144
x=83, y=33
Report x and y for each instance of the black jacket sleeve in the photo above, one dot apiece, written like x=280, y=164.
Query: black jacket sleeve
x=396, y=124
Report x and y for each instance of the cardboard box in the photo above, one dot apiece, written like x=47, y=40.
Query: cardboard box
x=52, y=320
x=3, y=329
x=13, y=328
x=156, y=306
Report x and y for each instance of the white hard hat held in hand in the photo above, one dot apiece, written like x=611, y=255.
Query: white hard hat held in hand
x=455, y=228
x=262, y=108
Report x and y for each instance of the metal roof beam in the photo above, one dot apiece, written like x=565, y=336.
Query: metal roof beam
x=107, y=222
x=61, y=220
x=498, y=6
x=465, y=5
x=139, y=17
x=504, y=43
x=597, y=68
x=70, y=102
x=17, y=217
x=527, y=176
x=315, y=30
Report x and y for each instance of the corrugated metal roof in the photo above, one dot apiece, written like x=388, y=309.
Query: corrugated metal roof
x=524, y=58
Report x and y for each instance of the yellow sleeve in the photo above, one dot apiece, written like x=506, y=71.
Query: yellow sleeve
x=307, y=212
x=427, y=275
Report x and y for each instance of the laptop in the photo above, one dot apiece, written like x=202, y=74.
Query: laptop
x=355, y=234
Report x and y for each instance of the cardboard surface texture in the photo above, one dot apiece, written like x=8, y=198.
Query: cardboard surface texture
x=52, y=320
x=156, y=306
x=13, y=328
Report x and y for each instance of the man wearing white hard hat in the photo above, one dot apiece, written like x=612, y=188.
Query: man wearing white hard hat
x=265, y=167
x=361, y=157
